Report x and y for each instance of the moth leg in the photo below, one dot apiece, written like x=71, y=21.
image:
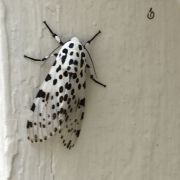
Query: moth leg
x=92, y=76
x=43, y=59
x=89, y=41
x=96, y=81
x=54, y=35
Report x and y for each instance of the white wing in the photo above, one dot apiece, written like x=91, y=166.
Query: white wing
x=60, y=102
x=46, y=111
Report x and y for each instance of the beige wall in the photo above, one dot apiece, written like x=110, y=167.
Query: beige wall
x=132, y=128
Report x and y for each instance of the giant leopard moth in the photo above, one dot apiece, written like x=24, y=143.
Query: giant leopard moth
x=59, y=104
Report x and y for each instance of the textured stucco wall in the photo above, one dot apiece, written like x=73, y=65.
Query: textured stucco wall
x=132, y=128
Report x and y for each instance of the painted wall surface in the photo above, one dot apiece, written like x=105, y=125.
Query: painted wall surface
x=131, y=130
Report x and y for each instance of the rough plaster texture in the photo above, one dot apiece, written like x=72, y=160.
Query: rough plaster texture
x=132, y=128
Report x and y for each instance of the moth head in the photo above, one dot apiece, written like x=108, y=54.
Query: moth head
x=75, y=39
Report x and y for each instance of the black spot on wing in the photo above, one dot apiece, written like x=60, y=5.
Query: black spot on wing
x=70, y=61
x=72, y=91
x=33, y=107
x=79, y=86
x=47, y=96
x=58, y=69
x=76, y=62
x=61, y=99
x=69, y=100
x=76, y=69
x=82, y=115
x=71, y=45
x=74, y=75
x=48, y=77
x=82, y=54
x=63, y=58
x=54, y=63
x=54, y=81
x=65, y=51
x=65, y=73
x=41, y=94
x=60, y=76
x=54, y=116
x=77, y=80
x=60, y=122
x=45, y=137
x=80, y=47
x=82, y=62
x=81, y=73
x=77, y=54
x=69, y=143
x=65, y=97
x=78, y=132
x=64, y=111
x=61, y=89
x=53, y=106
x=84, y=85
x=82, y=102
x=29, y=124
x=68, y=86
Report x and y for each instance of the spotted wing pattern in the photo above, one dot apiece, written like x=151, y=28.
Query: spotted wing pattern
x=60, y=101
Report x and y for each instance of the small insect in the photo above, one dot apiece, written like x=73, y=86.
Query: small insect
x=58, y=107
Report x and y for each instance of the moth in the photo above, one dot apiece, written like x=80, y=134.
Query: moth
x=59, y=105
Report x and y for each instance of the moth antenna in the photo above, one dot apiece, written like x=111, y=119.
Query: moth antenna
x=57, y=38
x=53, y=34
